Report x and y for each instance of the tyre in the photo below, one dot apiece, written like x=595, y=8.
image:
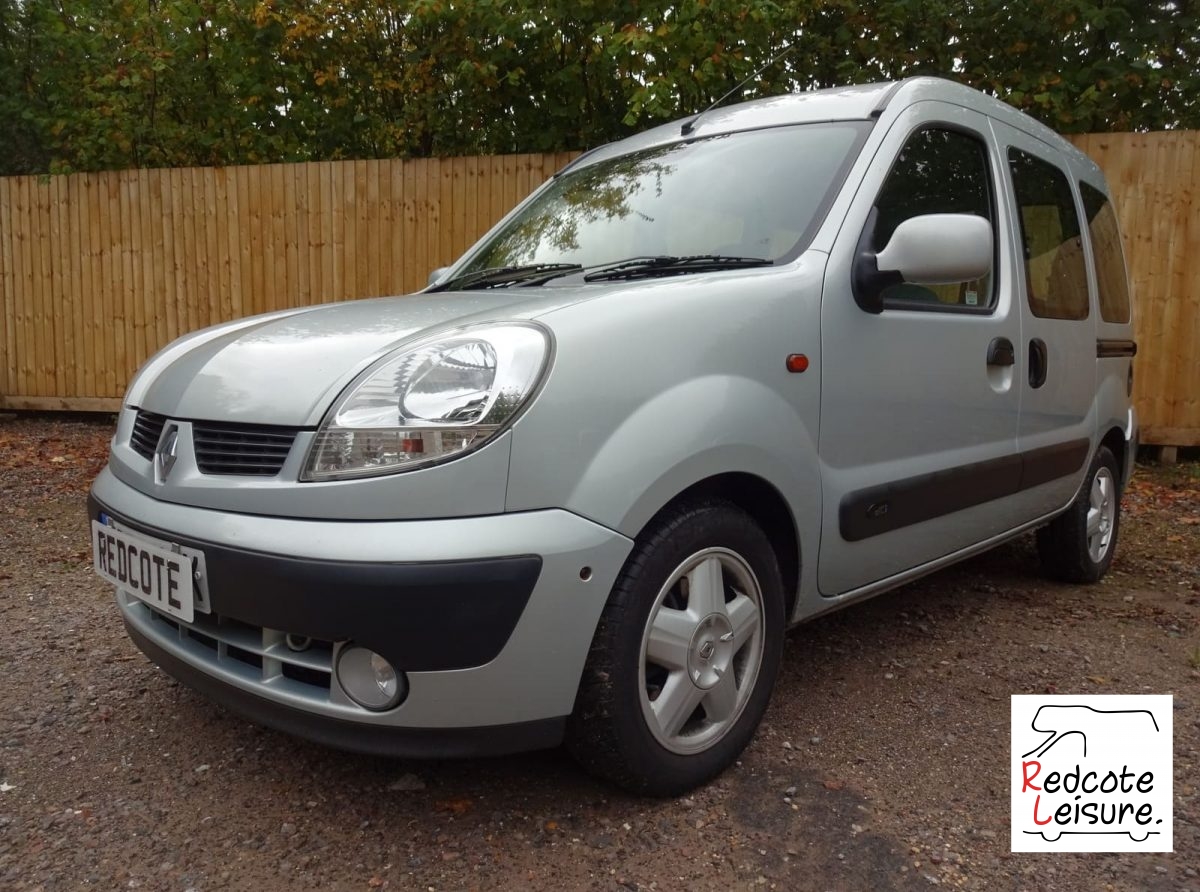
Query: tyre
x=685, y=654
x=1078, y=545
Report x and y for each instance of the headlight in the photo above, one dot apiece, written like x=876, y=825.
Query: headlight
x=428, y=402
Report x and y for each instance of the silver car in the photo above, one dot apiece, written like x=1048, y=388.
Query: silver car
x=705, y=384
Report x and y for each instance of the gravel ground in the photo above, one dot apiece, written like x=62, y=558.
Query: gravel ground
x=880, y=765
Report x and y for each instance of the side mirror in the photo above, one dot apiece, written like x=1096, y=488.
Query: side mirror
x=436, y=276
x=933, y=249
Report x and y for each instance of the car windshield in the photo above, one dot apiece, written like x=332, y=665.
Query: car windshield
x=749, y=194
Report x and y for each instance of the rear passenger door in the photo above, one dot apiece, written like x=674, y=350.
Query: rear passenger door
x=1056, y=368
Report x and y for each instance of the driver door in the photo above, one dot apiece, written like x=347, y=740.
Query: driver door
x=918, y=431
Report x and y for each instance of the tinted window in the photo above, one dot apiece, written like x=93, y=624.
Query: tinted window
x=937, y=172
x=1055, y=274
x=1105, y=236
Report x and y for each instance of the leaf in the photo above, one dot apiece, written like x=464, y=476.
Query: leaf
x=459, y=806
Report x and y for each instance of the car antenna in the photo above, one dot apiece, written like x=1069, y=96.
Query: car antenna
x=690, y=125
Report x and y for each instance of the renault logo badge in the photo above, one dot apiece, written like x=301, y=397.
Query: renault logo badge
x=164, y=457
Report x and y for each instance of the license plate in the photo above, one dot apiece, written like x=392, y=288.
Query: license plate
x=154, y=571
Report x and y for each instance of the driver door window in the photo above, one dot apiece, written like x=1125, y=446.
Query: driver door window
x=938, y=171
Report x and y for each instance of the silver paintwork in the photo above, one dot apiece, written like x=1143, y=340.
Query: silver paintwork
x=907, y=392
x=1066, y=408
x=535, y=675
x=480, y=479
x=939, y=249
x=838, y=104
x=886, y=584
x=657, y=385
x=286, y=368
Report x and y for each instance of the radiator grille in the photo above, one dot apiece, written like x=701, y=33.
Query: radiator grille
x=147, y=428
x=249, y=450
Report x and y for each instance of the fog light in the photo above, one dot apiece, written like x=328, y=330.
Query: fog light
x=370, y=680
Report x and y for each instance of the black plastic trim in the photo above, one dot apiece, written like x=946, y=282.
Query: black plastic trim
x=146, y=432
x=1000, y=352
x=1039, y=363
x=360, y=737
x=900, y=304
x=1048, y=463
x=1107, y=348
x=423, y=617
x=891, y=506
x=867, y=280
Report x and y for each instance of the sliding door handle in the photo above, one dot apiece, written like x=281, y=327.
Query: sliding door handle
x=1000, y=352
x=1039, y=363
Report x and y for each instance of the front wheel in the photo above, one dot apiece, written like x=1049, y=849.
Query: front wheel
x=685, y=654
x=1078, y=545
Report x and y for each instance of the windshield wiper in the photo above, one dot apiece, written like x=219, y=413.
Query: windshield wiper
x=667, y=265
x=503, y=276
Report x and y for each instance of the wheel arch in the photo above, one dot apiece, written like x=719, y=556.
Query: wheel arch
x=1114, y=439
x=763, y=502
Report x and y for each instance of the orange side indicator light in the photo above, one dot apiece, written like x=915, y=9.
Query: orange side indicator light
x=797, y=362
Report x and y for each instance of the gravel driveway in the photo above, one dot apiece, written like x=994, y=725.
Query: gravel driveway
x=880, y=765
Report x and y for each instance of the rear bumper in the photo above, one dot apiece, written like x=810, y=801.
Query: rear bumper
x=1133, y=437
x=489, y=618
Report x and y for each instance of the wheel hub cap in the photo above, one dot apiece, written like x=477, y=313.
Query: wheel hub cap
x=711, y=651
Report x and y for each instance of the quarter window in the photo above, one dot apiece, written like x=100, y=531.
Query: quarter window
x=1055, y=274
x=1105, y=236
x=938, y=172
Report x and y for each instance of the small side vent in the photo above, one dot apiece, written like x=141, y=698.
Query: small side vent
x=147, y=428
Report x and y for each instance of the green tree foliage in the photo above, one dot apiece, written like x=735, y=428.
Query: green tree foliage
x=92, y=84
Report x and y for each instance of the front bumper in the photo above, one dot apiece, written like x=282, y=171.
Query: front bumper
x=489, y=617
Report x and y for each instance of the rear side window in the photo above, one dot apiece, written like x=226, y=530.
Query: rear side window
x=938, y=172
x=1055, y=273
x=1105, y=236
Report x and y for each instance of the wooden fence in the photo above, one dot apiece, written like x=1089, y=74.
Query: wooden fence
x=97, y=271
x=1154, y=179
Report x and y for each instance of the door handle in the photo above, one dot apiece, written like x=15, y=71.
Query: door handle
x=1039, y=363
x=1000, y=352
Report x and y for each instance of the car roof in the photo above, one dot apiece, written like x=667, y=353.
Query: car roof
x=861, y=102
